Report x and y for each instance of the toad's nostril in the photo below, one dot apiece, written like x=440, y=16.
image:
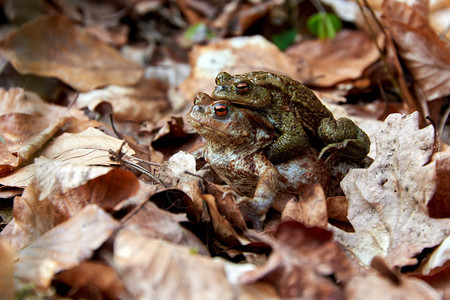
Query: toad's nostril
x=198, y=109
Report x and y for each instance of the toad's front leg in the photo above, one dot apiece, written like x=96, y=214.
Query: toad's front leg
x=254, y=209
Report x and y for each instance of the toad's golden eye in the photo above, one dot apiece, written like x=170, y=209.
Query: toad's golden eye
x=242, y=87
x=220, y=110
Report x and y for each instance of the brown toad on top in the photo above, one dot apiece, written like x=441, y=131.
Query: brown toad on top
x=235, y=138
x=296, y=113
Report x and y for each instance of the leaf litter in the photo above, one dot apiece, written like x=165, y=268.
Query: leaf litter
x=87, y=221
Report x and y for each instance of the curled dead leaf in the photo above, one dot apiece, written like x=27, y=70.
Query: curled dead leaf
x=64, y=246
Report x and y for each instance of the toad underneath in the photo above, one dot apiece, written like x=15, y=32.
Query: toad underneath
x=235, y=139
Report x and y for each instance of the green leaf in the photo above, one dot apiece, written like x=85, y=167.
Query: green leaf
x=324, y=25
x=284, y=39
x=199, y=31
x=1, y=139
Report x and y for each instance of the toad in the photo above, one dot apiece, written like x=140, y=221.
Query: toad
x=235, y=139
x=297, y=114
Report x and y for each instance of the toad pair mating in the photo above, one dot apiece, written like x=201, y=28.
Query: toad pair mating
x=268, y=134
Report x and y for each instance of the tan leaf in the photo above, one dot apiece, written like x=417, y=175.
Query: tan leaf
x=60, y=190
x=439, y=205
x=95, y=277
x=424, y=53
x=6, y=271
x=349, y=54
x=64, y=246
x=129, y=104
x=235, y=55
x=438, y=259
x=90, y=147
x=374, y=287
x=154, y=269
x=152, y=222
x=301, y=263
x=310, y=209
x=388, y=201
x=53, y=46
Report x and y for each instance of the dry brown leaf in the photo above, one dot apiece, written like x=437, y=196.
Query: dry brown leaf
x=301, y=267
x=96, y=278
x=388, y=201
x=439, y=205
x=90, y=147
x=310, y=209
x=64, y=246
x=129, y=104
x=438, y=259
x=152, y=222
x=349, y=54
x=61, y=189
x=375, y=287
x=235, y=55
x=26, y=124
x=53, y=46
x=154, y=269
x=424, y=53
x=6, y=270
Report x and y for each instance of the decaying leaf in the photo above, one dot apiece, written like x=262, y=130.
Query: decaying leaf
x=349, y=54
x=310, y=209
x=388, y=201
x=6, y=270
x=424, y=53
x=26, y=124
x=301, y=267
x=64, y=246
x=53, y=46
x=90, y=147
x=375, y=286
x=96, y=277
x=154, y=269
x=152, y=222
x=129, y=104
x=439, y=259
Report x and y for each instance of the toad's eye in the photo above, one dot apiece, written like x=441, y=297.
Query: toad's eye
x=242, y=87
x=220, y=110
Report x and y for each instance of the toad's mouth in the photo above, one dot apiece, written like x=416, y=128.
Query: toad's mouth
x=208, y=128
x=237, y=102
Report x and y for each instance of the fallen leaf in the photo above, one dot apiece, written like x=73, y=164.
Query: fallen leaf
x=94, y=277
x=439, y=205
x=128, y=103
x=60, y=190
x=52, y=46
x=374, y=287
x=439, y=259
x=6, y=270
x=90, y=147
x=388, y=201
x=64, y=246
x=310, y=209
x=301, y=267
x=152, y=222
x=154, y=269
x=350, y=53
x=423, y=52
